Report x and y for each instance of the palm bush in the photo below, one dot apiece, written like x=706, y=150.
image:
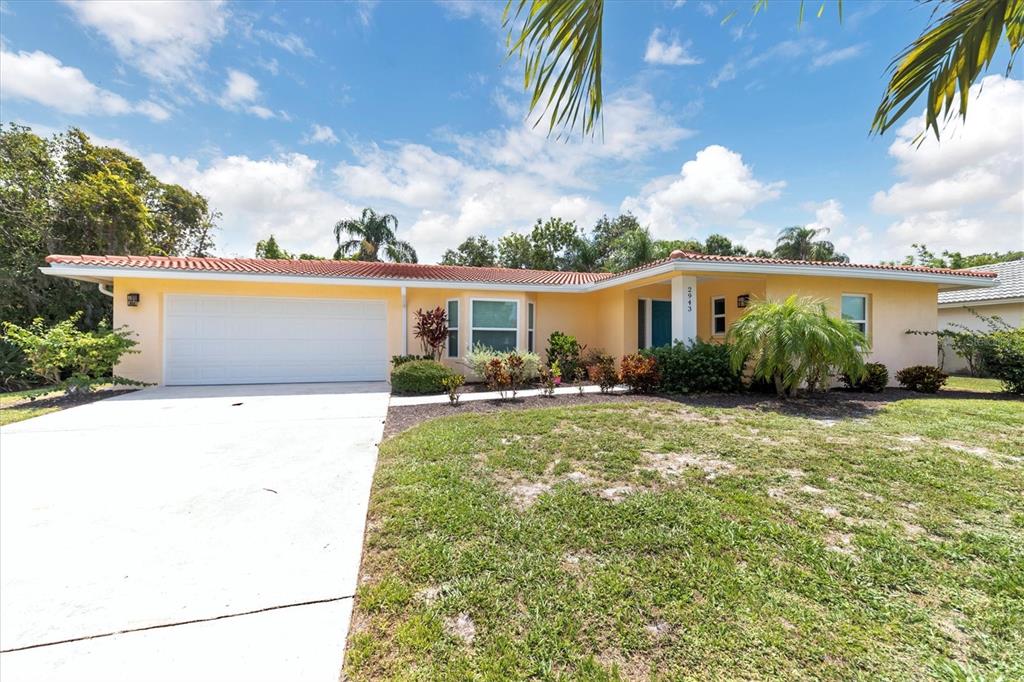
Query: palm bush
x=796, y=341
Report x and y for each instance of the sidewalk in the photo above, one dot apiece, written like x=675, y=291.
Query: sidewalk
x=401, y=401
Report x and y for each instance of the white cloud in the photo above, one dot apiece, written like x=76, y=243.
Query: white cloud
x=708, y=9
x=487, y=12
x=286, y=41
x=835, y=56
x=167, y=41
x=962, y=192
x=724, y=75
x=320, y=134
x=242, y=92
x=670, y=53
x=283, y=195
x=716, y=185
x=365, y=10
x=42, y=78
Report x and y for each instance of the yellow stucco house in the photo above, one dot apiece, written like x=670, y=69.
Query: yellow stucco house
x=239, y=320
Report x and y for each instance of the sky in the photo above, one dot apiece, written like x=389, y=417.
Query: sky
x=291, y=116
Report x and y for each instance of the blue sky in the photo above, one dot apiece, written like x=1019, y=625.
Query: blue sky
x=290, y=116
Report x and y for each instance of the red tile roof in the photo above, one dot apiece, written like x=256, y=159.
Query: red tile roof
x=443, y=273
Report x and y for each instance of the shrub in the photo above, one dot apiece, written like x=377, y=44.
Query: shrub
x=496, y=376
x=640, y=373
x=14, y=370
x=876, y=378
x=550, y=378
x=453, y=384
x=480, y=357
x=1002, y=356
x=515, y=367
x=699, y=367
x=601, y=369
x=796, y=341
x=431, y=329
x=419, y=377
x=921, y=378
x=397, y=360
x=566, y=351
x=63, y=351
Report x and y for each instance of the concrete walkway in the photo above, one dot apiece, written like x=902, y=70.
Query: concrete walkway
x=186, y=533
x=399, y=401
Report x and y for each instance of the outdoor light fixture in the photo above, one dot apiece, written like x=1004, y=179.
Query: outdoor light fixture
x=742, y=300
x=133, y=300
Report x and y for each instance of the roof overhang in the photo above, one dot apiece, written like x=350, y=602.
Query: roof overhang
x=106, y=274
x=981, y=302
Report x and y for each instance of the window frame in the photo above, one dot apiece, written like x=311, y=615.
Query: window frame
x=531, y=322
x=867, y=312
x=473, y=328
x=447, y=309
x=723, y=315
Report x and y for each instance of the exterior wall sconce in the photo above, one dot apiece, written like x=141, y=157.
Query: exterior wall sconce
x=133, y=300
x=742, y=300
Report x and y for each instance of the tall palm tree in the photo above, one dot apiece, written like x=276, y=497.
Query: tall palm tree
x=800, y=242
x=372, y=235
x=561, y=43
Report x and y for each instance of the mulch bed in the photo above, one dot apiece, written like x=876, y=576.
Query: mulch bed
x=835, y=405
x=64, y=401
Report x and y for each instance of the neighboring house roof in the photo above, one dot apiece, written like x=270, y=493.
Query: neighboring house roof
x=100, y=267
x=1009, y=285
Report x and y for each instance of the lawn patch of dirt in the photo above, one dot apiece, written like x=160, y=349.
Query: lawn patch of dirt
x=675, y=463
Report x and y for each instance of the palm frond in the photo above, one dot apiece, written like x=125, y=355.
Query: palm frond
x=947, y=59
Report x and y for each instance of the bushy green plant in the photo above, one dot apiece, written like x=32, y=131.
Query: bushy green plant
x=397, y=360
x=566, y=351
x=496, y=375
x=601, y=369
x=419, y=377
x=921, y=378
x=550, y=378
x=875, y=379
x=480, y=357
x=14, y=370
x=796, y=341
x=1002, y=356
x=640, y=373
x=698, y=367
x=62, y=351
x=453, y=384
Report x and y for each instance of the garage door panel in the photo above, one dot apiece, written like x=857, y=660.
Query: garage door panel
x=221, y=339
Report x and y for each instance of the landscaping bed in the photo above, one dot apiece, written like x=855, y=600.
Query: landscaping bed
x=837, y=537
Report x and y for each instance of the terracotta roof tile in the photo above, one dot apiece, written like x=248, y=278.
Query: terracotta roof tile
x=443, y=273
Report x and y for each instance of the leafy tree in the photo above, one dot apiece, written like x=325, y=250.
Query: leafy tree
x=795, y=341
x=606, y=232
x=801, y=243
x=476, y=252
x=371, y=236
x=515, y=251
x=64, y=194
x=561, y=41
x=664, y=247
x=268, y=248
x=720, y=245
x=632, y=249
x=955, y=259
x=554, y=243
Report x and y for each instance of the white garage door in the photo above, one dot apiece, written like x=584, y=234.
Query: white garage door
x=252, y=340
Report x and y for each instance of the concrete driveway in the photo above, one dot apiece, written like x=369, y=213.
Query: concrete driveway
x=186, y=533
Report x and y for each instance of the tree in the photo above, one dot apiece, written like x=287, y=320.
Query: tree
x=268, y=248
x=554, y=243
x=371, y=236
x=955, y=259
x=720, y=245
x=632, y=249
x=64, y=194
x=800, y=242
x=561, y=41
x=606, y=232
x=515, y=251
x=795, y=341
x=476, y=252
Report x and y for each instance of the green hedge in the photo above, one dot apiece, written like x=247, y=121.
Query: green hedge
x=699, y=367
x=419, y=377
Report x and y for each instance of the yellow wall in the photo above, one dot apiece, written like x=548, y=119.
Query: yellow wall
x=603, y=319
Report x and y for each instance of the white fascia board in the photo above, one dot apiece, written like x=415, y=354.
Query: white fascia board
x=106, y=273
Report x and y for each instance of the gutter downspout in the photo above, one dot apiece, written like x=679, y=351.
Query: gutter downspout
x=405, y=323
x=103, y=290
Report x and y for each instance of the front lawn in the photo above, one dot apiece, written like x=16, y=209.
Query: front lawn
x=652, y=539
x=975, y=384
x=18, y=406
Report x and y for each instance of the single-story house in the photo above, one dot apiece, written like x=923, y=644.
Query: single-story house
x=1004, y=300
x=242, y=320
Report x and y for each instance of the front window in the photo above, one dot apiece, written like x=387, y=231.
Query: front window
x=855, y=311
x=718, y=315
x=453, y=328
x=495, y=324
x=529, y=327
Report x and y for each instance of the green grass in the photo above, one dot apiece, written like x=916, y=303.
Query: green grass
x=975, y=384
x=640, y=540
x=9, y=415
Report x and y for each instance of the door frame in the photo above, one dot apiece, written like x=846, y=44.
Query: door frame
x=649, y=317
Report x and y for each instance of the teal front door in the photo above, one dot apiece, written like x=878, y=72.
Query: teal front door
x=661, y=323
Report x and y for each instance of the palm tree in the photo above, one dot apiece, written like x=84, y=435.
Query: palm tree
x=371, y=235
x=632, y=249
x=800, y=242
x=561, y=42
x=796, y=341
